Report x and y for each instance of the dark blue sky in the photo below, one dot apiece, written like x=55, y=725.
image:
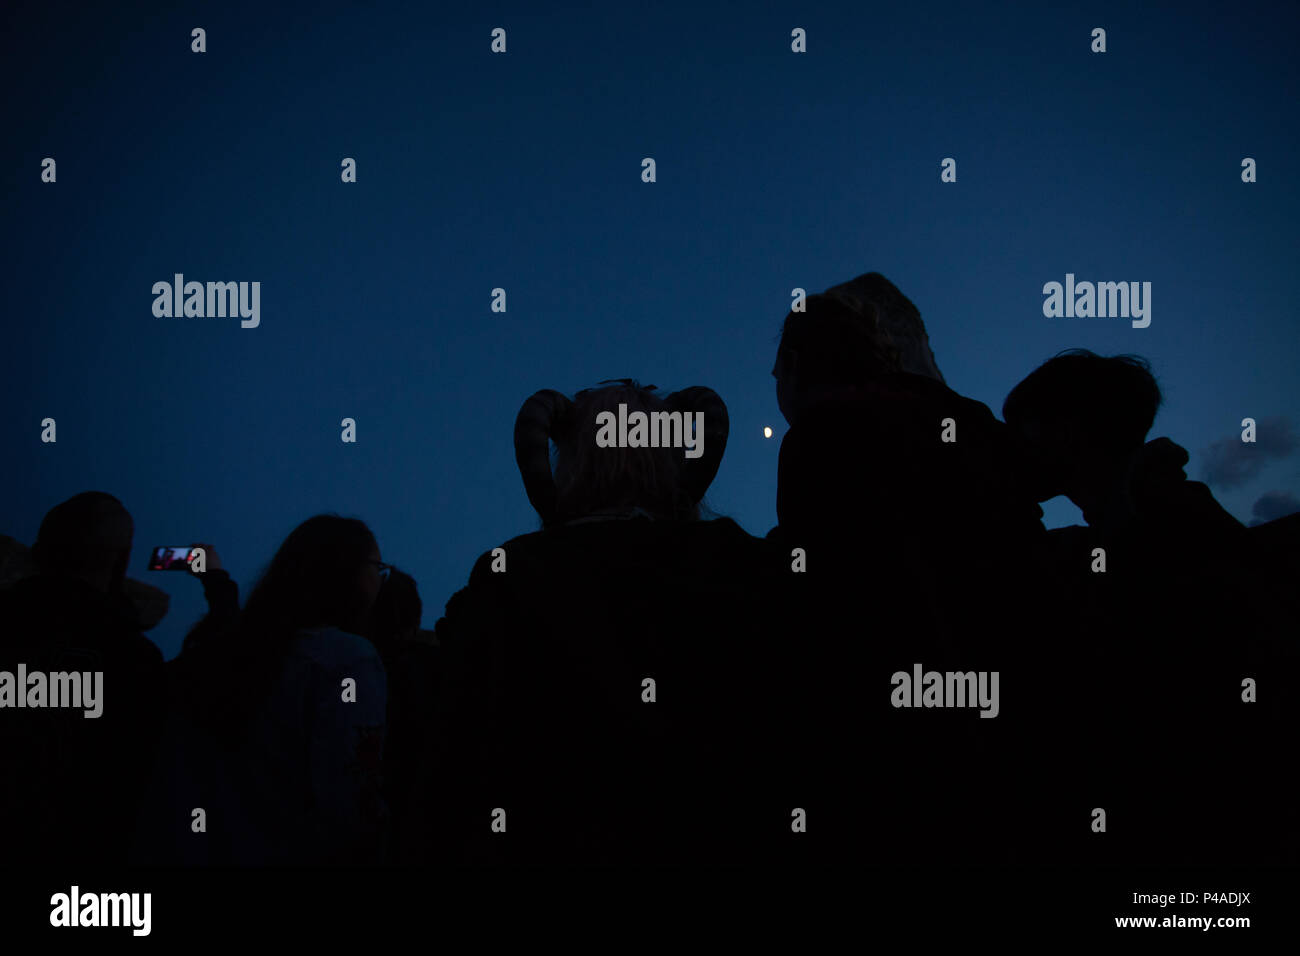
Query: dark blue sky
x=522, y=171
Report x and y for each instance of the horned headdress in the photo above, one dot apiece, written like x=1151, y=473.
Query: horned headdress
x=550, y=416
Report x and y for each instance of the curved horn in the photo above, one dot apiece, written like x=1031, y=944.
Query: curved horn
x=534, y=426
x=700, y=472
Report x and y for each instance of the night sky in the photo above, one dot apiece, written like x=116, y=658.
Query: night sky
x=523, y=171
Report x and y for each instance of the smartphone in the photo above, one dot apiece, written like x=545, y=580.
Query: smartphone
x=170, y=558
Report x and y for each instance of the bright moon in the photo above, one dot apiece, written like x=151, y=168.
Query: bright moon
x=767, y=432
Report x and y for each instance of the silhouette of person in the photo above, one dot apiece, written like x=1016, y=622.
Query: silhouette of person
x=909, y=501
x=277, y=728
x=1157, y=578
x=603, y=677
x=410, y=658
x=76, y=779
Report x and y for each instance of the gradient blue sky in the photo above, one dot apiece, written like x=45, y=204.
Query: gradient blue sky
x=522, y=170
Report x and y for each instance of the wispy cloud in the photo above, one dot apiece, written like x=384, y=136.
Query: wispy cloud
x=1231, y=462
x=1272, y=505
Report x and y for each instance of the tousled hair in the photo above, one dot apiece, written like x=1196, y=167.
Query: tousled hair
x=1111, y=400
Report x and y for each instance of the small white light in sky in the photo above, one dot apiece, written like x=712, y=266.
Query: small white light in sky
x=767, y=431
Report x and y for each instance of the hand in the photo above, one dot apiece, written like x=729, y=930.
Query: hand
x=212, y=560
x=1154, y=469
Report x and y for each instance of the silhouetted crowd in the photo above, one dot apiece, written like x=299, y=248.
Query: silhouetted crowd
x=643, y=682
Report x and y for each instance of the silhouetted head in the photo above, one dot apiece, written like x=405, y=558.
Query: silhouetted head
x=87, y=537
x=397, y=611
x=827, y=350
x=898, y=317
x=596, y=476
x=325, y=574
x=1083, y=415
x=16, y=561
